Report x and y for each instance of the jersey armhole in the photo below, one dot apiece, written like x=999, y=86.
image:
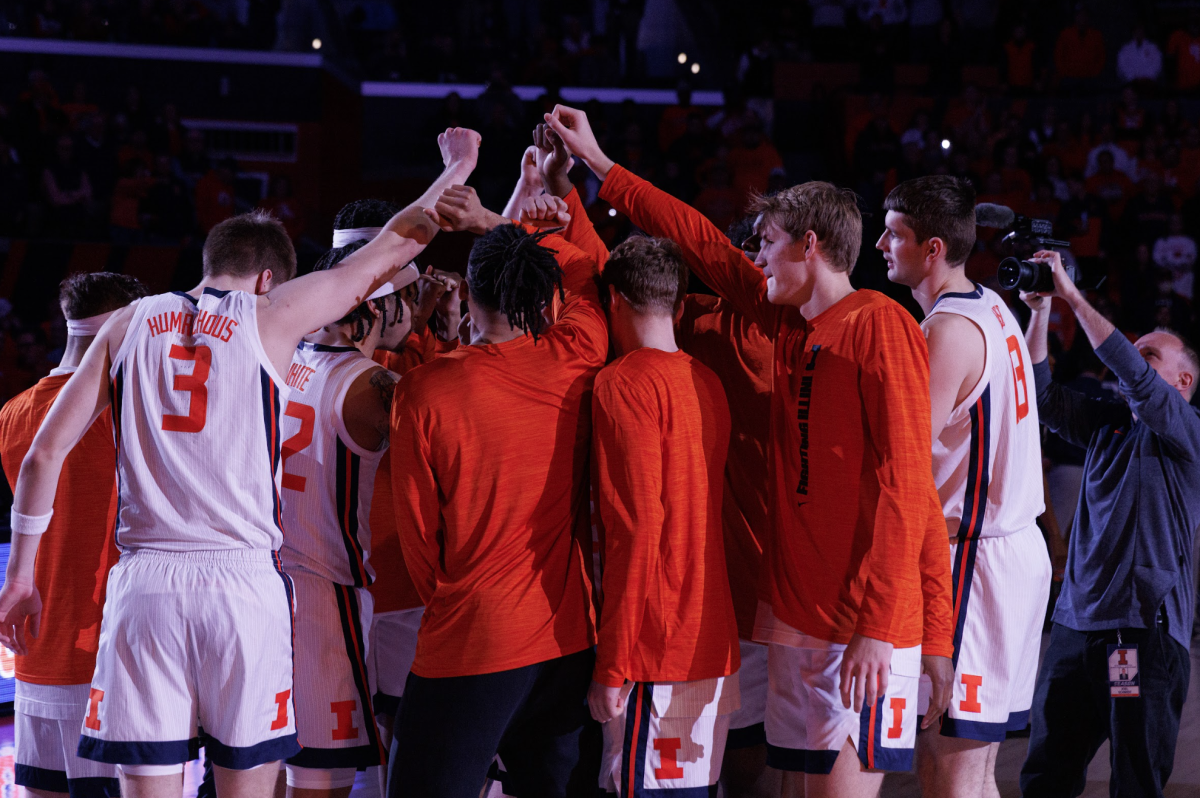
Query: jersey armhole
x=259, y=351
x=339, y=420
x=961, y=409
x=139, y=311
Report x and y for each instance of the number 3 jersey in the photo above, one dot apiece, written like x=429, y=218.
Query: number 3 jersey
x=987, y=462
x=328, y=479
x=196, y=415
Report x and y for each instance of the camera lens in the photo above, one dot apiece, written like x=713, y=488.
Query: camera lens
x=1022, y=275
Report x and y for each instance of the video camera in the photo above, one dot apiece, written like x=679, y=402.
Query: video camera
x=1025, y=235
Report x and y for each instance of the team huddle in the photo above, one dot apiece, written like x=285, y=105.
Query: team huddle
x=593, y=533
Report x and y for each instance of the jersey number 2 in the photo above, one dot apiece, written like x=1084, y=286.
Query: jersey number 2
x=194, y=384
x=1020, y=385
x=307, y=416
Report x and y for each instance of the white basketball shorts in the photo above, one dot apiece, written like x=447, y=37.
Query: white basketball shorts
x=1001, y=587
x=393, y=648
x=670, y=737
x=193, y=640
x=46, y=726
x=335, y=720
x=746, y=725
x=806, y=722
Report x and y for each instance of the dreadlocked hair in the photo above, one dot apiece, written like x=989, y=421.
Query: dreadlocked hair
x=510, y=272
x=365, y=213
x=360, y=320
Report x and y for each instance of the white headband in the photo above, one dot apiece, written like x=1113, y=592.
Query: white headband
x=89, y=326
x=406, y=276
x=351, y=234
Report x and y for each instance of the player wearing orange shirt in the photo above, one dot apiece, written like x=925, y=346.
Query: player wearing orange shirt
x=712, y=331
x=850, y=484
x=53, y=677
x=667, y=655
x=490, y=447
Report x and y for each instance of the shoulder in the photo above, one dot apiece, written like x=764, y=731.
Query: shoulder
x=880, y=311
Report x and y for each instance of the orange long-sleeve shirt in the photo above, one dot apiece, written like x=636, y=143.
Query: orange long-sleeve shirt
x=660, y=436
x=850, y=453
x=490, y=450
x=77, y=549
x=738, y=351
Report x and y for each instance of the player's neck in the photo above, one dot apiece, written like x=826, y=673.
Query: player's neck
x=492, y=327
x=828, y=288
x=942, y=280
x=76, y=347
x=227, y=282
x=338, y=335
x=645, y=331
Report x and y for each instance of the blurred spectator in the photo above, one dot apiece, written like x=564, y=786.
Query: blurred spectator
x=284, y=207
x=67, y=190
x=125, y=212
x=718, y=200
x=1079, y=52
x=1148, y=215
x=13, y=194
x=78, y=106
x=1184, y=49
x=215, y=195
x=674, y=120
x=752, y=161
x=1018, y=56
x=166, y=211
x=1108, y=184
x=193, y=163
x=1176, y=253
x=1107, y=144
x=1139, y=60
x=98, y=155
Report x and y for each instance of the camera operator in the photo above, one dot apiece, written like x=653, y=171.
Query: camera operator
x=1117, y=665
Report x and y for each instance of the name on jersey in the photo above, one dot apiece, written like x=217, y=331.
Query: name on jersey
x=202, y=323
x=298, y=376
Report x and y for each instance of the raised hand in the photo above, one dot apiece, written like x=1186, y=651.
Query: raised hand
x=553, y=159
x=530, y=174
x=573, y=128
x=458, y=209
x=459, y=145
x=545, y=211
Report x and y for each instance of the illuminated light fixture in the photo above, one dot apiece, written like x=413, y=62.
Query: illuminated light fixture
x=612, y=211
x=695, y=69
x=945, y=144
x=681, y=58
x=316, y=44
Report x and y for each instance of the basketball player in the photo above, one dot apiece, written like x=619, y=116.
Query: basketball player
x=490, y=446
x=987, y=465
x=52, y=678
x=665, y=681
x=715, y=334
x=334, y=437
x=849, y=408
x=197, y=626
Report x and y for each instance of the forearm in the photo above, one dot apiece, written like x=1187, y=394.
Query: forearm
x=938, y=639
x=1037, y=335
x=1091, y=320
x=521, y=192
x=22, y=558
x=412, y=222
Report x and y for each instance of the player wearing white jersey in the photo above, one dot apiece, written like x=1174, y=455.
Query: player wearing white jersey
x=987, y=467
x=196, y=630
x=335, y=429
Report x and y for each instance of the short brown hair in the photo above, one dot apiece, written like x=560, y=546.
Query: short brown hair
x=938, y=206
x=249, y=244
x=88, y=294
x=830, y=212
x=649, y=272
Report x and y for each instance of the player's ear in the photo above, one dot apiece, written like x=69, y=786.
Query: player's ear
x=614, y=296
x=934, y=248
x=678, y=315
x=264, y=283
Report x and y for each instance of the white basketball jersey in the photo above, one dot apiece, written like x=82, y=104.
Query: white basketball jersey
x=328, y=479
x=987, y=462
x=196, y=417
